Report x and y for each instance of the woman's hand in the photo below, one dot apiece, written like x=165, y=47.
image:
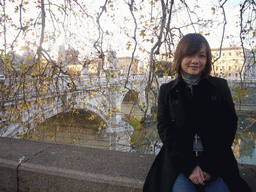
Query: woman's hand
x=207, y=177
x=198, y=176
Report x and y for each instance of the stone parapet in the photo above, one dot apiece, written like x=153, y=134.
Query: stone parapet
x=38, y=166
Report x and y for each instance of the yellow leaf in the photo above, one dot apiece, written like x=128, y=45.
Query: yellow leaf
x=136, y=83
x=51, y=133
x=23, y=48
x=73, y=103
x=21, y=135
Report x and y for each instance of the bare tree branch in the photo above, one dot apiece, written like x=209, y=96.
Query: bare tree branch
x=135, y=40
x=157, y=45
x=100, y=31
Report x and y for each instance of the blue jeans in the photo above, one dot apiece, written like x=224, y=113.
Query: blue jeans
x=183, y=184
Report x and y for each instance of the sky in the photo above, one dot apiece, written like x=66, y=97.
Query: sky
x=232, y=11
x=231, y=29
x=118, y=42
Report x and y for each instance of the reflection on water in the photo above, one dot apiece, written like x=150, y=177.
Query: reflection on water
x=87, y=129
x=245, y=141
x=81, y=128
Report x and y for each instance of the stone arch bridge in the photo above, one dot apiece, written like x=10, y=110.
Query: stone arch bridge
x=101, y=96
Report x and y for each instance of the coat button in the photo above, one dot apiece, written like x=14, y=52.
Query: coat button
x=175, y=102
x=214, y=98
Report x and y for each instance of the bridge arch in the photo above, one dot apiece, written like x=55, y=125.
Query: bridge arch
x=129, y=104
x=96, y=103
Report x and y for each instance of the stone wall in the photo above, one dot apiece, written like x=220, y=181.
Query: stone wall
x=32, y=166
x=38, y=166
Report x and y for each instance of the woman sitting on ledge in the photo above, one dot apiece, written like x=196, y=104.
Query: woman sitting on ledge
x=197, y=124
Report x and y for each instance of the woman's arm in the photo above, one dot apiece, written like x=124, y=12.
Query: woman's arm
x=173, y=139
x=221, y=138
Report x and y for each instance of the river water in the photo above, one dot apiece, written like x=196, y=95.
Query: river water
x=84, y=128
x=244, y=146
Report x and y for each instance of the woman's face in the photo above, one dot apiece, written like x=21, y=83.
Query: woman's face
x=195, y=64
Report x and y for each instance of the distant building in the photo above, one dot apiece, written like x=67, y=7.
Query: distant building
x=95, y=66
x=249, y=70
x=62, y=56
x=164, y=65
x=124, y=63
x=68, y=60
x=233, y=65
x=229, y=63
x=1, y=64
x=15, y=60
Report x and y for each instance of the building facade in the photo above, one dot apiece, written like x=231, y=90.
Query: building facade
x=228, y=63
x=233, y=63
x=124, y=63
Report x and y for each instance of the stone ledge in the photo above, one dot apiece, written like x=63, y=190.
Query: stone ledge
x=8, y=175
x=84, y=179
x=38, y=166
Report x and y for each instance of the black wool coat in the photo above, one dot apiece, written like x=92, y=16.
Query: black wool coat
x=209, y=111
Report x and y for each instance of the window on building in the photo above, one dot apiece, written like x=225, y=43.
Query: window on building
x=236, y=60
x=230, y=53
x=236, y=74
x=223, y=67
x=223, y=54
x=216, y=74
x=216, y=68
x=229, y=68
x=229, y=74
